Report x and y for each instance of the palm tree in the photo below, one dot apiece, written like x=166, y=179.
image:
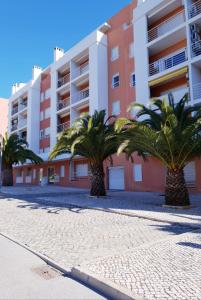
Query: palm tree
x=13, y=151
x=94, y=138
x=169, y=132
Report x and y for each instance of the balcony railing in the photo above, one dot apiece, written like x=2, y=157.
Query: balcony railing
x=194, y=9
x=196, y=49
x=44, y=137
x=84, y=68
x=63, y=80
x=22, y=122
x=63, y=103
x=15, y=110
x=23, y=136
x=166, y=26
x=167, y=62
x=23, y=105
x=62, y=127
x=82, y=95
x=197, y=91
x=14, y=127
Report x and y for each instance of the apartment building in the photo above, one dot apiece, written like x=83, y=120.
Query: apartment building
x=3, y=116
x=146, y=50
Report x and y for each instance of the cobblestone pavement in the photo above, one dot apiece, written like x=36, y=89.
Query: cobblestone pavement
x=168, y=269
x=153, y=259
x=146, y=205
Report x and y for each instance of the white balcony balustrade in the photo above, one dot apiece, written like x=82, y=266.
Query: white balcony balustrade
x=81, y=95
x=15, y=110
x=197, y=91
x=194, y=9
x=63, y=103
x=62, y=127
x=44, y=136
x=22, y=122
x=14, y=127
x=168, y=62
x=22, y=105
x=196, y=48
x=84, y=68
x=63, y=80
x=166, y=26
x=22, y=136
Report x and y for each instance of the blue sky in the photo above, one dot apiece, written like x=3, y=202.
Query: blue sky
x=29, y=30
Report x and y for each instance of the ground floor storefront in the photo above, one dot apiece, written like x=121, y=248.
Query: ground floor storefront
x=121, y=174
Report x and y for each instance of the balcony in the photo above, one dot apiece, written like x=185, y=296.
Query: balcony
x=14, y=127
x=168, y=62
x=194, y=9
x=196, y=49
x=63, y=103
x=23, y=105
x=23, y=136
x=81, y=95
x=197, y=91
x=22, y=122
x=44, y=137
x=15, y=110
x=63, y=80
x=166, y=26
x=62, y=127
x=84, y=68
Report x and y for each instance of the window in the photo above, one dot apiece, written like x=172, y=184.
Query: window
x=133, y=82
x=126, y=25
x=114, y=53
x=47, y=132
x=47, y=149
x=62, y=171
x=115, y=81
x=131, y=50
x=47, y=113
x=137, y=172
x=42, y=133
x=28, y=172
x=81, y=170
x=116, y=108
x=42, y=97
x=47, y=94
x=19, y=173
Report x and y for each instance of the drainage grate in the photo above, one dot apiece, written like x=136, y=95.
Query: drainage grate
x=46, y=272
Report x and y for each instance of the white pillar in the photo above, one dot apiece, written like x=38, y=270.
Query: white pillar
x=98, y=74
x=53, y=114
x=141, y=60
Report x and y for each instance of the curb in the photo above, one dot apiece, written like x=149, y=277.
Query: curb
x=105, y=287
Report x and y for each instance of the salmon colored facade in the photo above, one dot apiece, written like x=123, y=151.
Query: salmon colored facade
x=3, y=116
x=148, y=49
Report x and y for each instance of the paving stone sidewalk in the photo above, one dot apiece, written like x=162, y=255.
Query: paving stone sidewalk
x=169, y=269
x=156, y=260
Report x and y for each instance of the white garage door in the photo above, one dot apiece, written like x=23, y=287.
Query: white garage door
x=116, y=178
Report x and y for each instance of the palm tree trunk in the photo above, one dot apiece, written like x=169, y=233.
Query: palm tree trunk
x=176, y=192
x=97, y=181
x=7, y=177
